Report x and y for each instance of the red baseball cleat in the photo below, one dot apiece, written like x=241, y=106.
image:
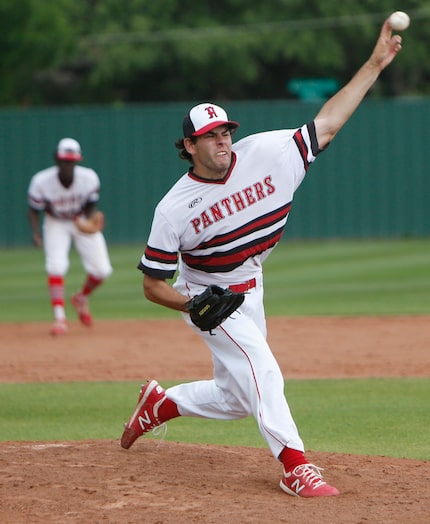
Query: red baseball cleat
x=145, y=416
x=59, y=327
x=306, y=481
x=80, y=303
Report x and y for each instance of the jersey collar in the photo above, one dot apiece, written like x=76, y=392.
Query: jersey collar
x=223, y=180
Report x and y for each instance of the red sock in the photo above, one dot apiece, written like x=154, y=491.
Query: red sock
x=291, y=458
x=168, y=410
x=56, y=290
x=90, y=284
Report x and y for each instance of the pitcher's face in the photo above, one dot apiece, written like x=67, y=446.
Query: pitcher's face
x=211, y=153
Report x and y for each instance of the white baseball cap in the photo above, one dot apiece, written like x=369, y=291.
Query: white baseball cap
x=69, y=149
x=205, y=117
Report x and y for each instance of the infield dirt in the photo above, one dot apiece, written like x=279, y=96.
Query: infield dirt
x=98, y=482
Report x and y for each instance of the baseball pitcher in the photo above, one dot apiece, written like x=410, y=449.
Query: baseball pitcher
x=216, y=226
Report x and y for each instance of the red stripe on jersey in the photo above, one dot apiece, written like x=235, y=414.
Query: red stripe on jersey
x=158, y=255
x=223, y=262
x=302, y=147
x=255, y=225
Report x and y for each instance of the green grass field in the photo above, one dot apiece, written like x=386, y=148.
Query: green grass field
x=301, y=278
x=375, y=416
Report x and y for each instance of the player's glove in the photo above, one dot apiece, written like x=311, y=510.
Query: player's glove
x=91, y=224
x=209, y=309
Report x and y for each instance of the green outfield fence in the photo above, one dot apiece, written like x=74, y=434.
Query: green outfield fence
x=372, y=181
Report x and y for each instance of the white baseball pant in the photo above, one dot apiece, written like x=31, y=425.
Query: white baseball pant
x=58, y=236
x=246, y=376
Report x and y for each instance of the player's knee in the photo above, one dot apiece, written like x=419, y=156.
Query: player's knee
x=103, y=273
x=56, y=268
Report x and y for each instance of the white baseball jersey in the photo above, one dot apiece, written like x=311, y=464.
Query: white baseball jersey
x=224, y=229
x=47, y=193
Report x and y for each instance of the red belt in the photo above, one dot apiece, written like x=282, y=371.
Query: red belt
x=245, y=286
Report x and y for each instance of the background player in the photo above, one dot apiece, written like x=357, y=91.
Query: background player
x=68, y=195
x=224, y=217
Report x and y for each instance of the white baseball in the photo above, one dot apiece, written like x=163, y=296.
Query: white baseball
x=399, y=21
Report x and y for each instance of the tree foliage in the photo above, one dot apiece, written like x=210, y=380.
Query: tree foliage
x=108, y=51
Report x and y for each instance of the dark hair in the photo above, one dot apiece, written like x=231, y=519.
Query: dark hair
x=183, y=153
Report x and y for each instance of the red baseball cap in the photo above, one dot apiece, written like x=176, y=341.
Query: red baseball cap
x=203, y=118
x=69, y=149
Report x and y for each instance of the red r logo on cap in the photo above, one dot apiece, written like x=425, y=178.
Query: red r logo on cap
x=211, y=112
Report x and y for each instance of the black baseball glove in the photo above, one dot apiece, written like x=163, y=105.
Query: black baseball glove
x=209, y=309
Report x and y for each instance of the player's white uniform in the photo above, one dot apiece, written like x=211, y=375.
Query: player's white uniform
x=61, y=206
x=224, y=230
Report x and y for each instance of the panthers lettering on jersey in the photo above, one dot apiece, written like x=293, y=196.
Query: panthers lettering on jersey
x=230, y=225
x=46, y=193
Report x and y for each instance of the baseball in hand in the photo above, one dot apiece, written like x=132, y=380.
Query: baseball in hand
x=399, y=21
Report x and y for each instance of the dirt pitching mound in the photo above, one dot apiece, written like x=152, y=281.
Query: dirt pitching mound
x=162, y=483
